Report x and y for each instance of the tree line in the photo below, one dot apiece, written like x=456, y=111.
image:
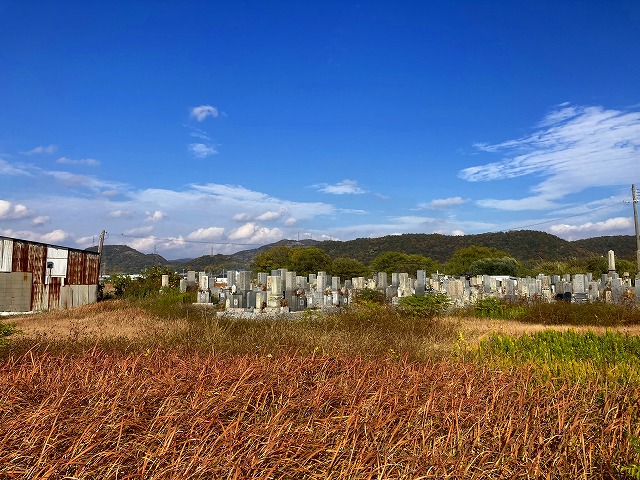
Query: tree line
x=472, y=260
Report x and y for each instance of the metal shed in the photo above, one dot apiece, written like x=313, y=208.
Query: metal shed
x=37, y=276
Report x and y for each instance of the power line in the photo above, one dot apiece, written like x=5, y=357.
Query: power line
x=182, y=240
x=560, y=218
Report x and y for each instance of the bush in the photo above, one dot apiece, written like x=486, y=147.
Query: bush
x=369, y=295
x=491, y=307
x=429, y=305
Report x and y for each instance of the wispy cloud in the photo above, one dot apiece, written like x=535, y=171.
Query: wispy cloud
x=7, y=169
x=201, y=112
x=41, y=220
x=197, y=133
x=91, y=162
x=442, y=203
x=42, y=149
x=200, y=150
x=86, y=181
x=576, y=148
x=121, y=214
x=139, y=231
x=345, y=187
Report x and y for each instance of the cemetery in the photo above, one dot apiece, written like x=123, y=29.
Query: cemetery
x=283, y=291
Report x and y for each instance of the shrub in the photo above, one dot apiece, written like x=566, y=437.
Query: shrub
x=491, y=307
x=429, y=305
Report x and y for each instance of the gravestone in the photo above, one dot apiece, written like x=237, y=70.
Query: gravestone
x=243, y=281
x=421, y=278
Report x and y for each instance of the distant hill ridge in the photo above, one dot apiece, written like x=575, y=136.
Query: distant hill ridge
x=521, y=244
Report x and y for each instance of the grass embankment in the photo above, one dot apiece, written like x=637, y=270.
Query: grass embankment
x=145, y=389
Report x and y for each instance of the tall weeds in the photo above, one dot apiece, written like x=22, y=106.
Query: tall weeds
x=105, y=414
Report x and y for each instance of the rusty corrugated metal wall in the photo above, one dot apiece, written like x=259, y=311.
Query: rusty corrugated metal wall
x=78, y=287
x=31, y=257
x=83, y=268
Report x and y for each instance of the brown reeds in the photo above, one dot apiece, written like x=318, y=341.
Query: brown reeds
x=159, y=414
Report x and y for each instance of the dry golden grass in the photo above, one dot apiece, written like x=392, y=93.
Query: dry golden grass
x=474, y=329
x=291, y=399
x=167, y=416
x=115, y=318
x=119, y=318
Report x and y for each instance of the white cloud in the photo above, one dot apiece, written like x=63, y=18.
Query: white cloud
x=611, y=226
x=11, y=211
x=86, y=242
x=457, y=233
x=200, y=150
x=203, y=111
x=442, y=203
x=290, y=221
x=576, y=148
x=272, y=215
x=143, y=244
x=91, y=162
x=204, y=234
x=40, y=220
x=242, y=217
x=155, y=216
x=42, y=149
x=345, y=187
x=254, y=233
x=55, y=236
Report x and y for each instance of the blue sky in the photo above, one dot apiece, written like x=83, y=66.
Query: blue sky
x=197, y=127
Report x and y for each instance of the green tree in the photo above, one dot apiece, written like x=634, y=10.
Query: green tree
x=148, y=284
x=461, y=260
x=272, y=259
x=402, y=262
x=348, y=268
x=623, y=265
x=306, y=260
x=152, y=276
x=495, y=266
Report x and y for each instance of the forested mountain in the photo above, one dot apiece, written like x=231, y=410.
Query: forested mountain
x=623, y=245
x=124, y=259
x=522, y=245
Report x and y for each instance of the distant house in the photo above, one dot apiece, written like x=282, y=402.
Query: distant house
x=36, y=276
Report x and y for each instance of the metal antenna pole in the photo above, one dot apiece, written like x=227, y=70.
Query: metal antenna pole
x=634, y=199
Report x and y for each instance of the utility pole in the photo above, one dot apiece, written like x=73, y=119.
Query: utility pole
x=100, y=250
x=634, y=199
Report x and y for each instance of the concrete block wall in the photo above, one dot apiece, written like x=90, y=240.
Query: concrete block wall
x=15, y=292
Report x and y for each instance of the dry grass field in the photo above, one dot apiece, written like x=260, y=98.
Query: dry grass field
x=119, y=390
x=119, y=318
